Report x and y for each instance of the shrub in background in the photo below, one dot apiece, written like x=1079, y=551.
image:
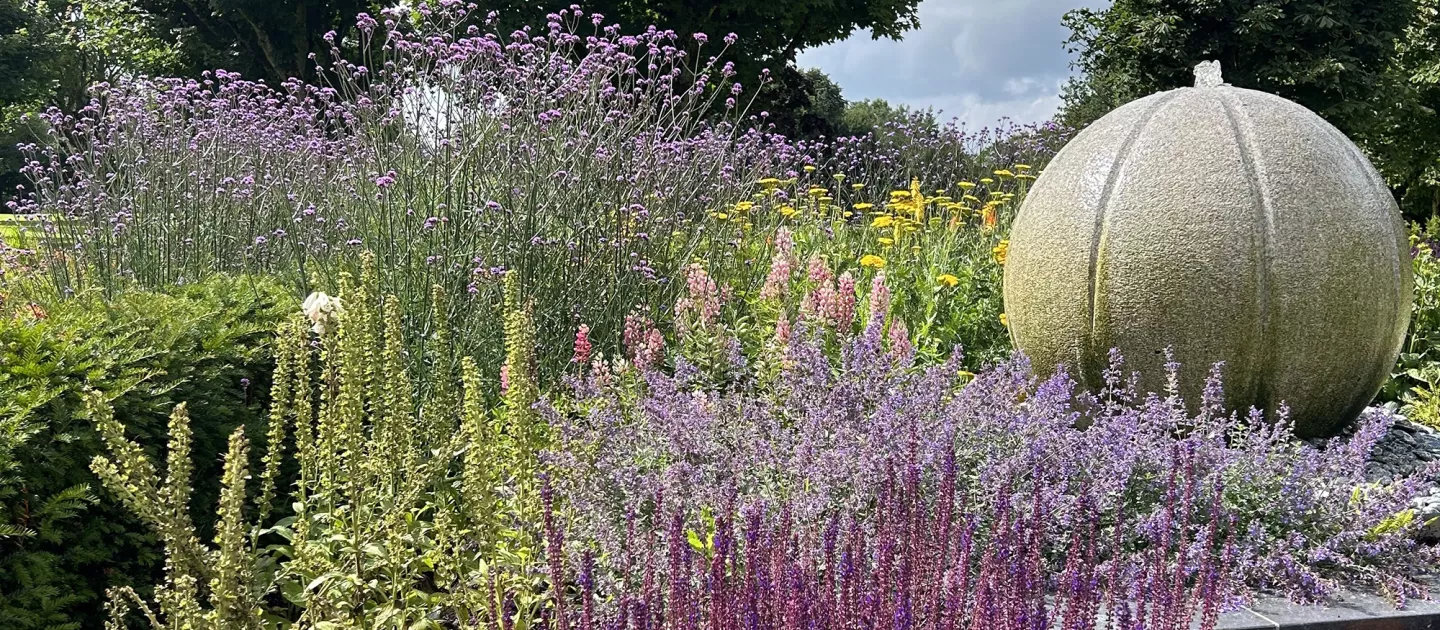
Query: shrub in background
x=143, y=352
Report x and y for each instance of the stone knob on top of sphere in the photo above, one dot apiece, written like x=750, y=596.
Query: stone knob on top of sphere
x=1229, y=225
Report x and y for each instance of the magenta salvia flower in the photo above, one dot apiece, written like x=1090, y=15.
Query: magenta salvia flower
x=582, y=347
x=817, y=270
x=845, y=302
x=700, y=308
x=925, y=556
x=901, y=351
x=782, y=264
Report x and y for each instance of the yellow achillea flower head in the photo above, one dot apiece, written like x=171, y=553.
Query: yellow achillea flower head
x=809, y=168
x=788, y=211
x=882, y=221
x=864, y=206
x=769, y=182
x=1000, y=251
x=986, y=180
x=1004, y=173
x=1022, y=167
x=873, y=261
x=948, y=280
x=966, y=185
x=856, y=186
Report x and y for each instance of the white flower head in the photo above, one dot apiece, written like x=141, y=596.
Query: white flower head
x=323, y=311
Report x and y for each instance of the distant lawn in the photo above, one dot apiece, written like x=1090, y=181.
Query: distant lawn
x=10, y=226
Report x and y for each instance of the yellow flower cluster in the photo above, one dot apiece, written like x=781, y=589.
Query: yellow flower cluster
x=1000, y=251
x=906, y=223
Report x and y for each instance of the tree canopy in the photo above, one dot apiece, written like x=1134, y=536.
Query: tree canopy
x=1369, y=68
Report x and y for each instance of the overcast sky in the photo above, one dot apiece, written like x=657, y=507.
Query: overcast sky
x=977, y=60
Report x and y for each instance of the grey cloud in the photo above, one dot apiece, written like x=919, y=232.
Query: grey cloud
x=974, y=59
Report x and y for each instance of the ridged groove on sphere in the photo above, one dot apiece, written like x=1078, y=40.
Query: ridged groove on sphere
x=1231, y=225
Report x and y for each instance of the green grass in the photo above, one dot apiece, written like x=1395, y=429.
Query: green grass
x=11, y=233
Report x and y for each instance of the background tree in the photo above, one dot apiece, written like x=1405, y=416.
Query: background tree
x=27, y=52
x=862, y=117
x=771, y=33
x=261, y=39
x=273, y=41
x=1344, y=59
x=52, y=51
x=1405, y=142
x=801, y=103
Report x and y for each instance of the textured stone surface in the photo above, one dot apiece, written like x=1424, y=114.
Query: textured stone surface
x=1231, y=225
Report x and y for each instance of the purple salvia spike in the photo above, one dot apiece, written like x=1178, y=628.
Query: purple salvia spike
x=587, y=590
x=494, y=601
x=555, y=552
x=507, y=621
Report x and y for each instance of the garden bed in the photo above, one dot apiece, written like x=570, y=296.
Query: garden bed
x=597, y=370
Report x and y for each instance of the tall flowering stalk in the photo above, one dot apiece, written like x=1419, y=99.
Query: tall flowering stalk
x=926, y=557
x=399, y=509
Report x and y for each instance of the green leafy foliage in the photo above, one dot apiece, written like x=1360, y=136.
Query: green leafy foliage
x=1420, y=354
x=61, y=544
x=1415, y=381
x=378, y=506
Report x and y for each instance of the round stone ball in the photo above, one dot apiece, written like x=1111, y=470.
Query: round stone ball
x=1227, y=225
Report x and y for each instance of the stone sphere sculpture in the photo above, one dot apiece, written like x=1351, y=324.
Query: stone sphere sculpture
x=1229, y=225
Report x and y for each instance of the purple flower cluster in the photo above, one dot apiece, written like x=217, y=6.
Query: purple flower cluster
x=582, y=156
x=931, y=556
x=822, y=439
